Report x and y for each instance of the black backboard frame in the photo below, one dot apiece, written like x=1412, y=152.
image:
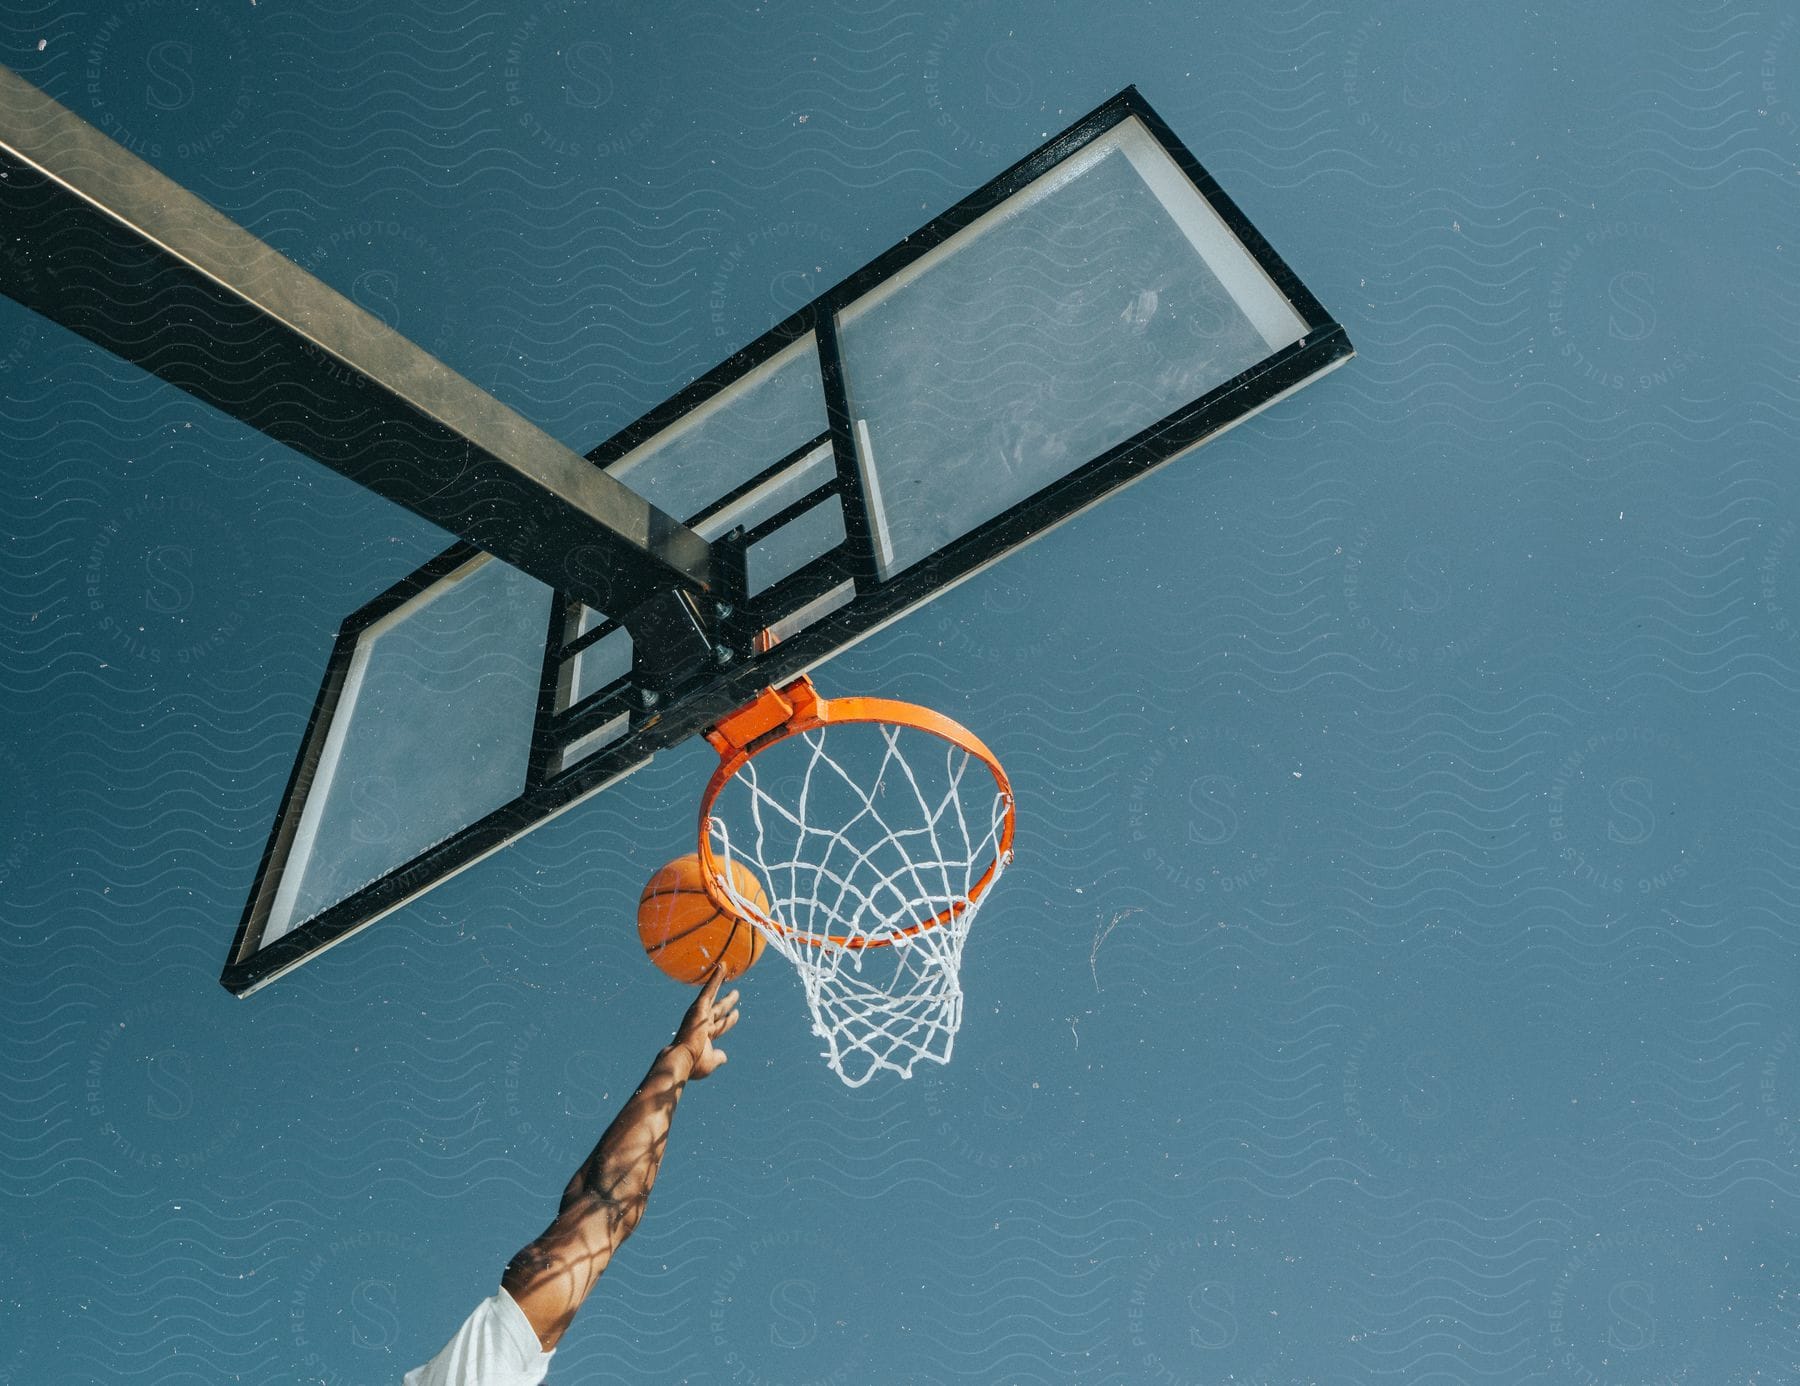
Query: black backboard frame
x=654, y=723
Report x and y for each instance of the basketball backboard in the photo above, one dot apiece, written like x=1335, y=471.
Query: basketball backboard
x=1095, y=311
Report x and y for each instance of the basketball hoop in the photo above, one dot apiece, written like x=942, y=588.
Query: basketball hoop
x=878, y=829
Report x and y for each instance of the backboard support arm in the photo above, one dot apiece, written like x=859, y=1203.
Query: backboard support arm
x=124, y=256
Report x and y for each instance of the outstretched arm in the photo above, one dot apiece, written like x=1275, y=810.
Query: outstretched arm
x=551, y=1277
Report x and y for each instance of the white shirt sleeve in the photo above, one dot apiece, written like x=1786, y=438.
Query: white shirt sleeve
x=496, y=1346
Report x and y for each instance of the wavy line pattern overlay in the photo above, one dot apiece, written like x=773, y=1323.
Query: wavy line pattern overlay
x=1399, y=978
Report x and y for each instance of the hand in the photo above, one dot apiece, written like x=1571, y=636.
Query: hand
x=709, y=1017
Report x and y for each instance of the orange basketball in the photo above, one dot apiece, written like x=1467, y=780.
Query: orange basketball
x=684, y=932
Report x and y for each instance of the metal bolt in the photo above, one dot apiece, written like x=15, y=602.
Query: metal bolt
x=648, y=697
x=723, y=654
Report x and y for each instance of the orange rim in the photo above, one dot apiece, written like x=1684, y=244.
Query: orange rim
x=778, y=715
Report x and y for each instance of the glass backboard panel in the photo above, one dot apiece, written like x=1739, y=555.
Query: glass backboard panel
x=740, y=432
x=1105, y=297
x=432, y=731
x=604, y=662
x=812, y=470
x=799, y=541
x=1093, y=313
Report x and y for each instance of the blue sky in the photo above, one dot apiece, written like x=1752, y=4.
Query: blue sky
x=1397, y=977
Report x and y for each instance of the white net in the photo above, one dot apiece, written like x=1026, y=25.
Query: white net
x=856, y=846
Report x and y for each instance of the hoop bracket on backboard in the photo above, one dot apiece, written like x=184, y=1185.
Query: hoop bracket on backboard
x=769, y=712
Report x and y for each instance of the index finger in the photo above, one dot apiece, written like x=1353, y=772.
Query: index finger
x=713, y=981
